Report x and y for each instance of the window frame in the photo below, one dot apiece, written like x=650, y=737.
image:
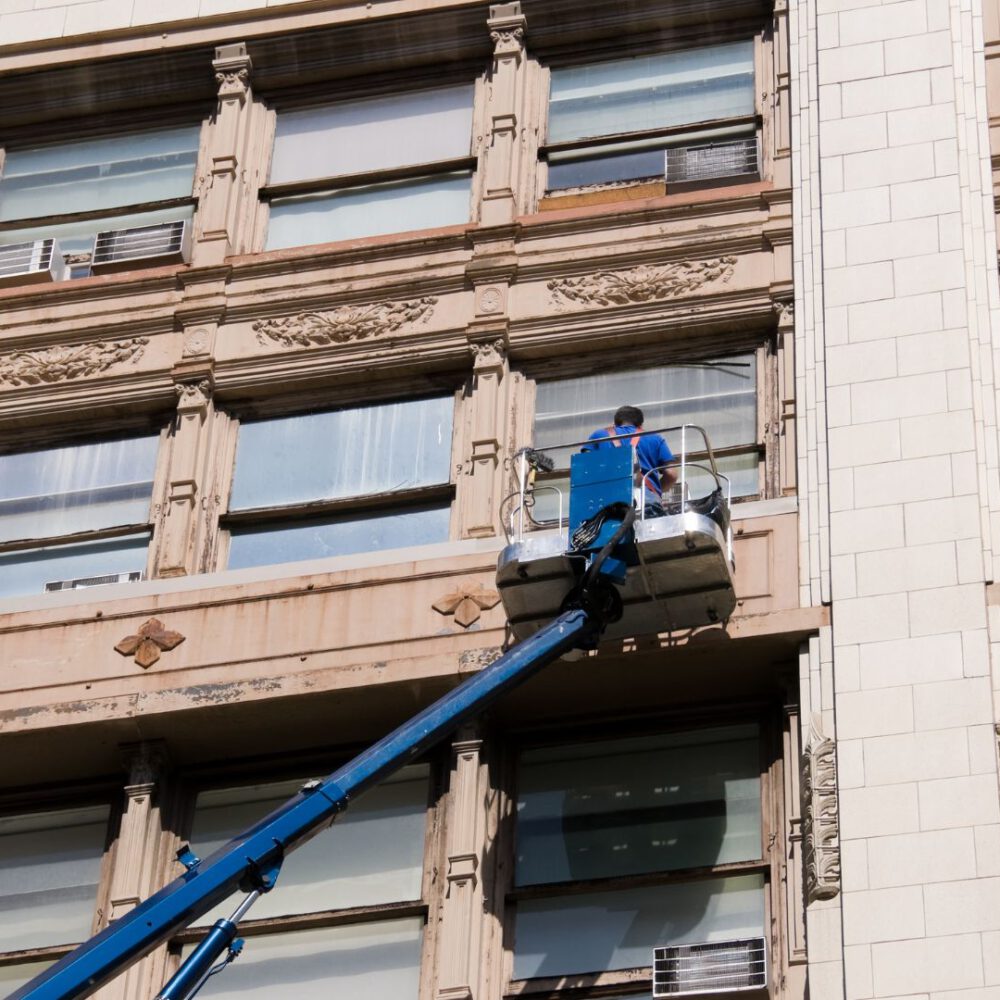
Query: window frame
x=762, y=344
x=154, y=425
x=637, y=980
x=752, y=124
x=336, y=183
x=248, y=773
x=279, y=516
x=198, y=116
x=102, y=793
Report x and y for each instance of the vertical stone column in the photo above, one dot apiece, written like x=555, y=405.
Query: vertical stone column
x=482, y=466
x=787, y=453
x=505, y=89
x=179, y=526
x=136, y=862
x=234, y=162
x=459, y=949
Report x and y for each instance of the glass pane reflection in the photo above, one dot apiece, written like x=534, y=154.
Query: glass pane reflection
x=266, y=545
x=644, y=804
x=377, y=961
x=602, y=931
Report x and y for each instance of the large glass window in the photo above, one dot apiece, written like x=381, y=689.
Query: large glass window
x=358, y=886
x=630, y=844
x=341, y=481
x=50, y=867
x=76, y=515
x=371, y=166
x=717, y=395
x=72, y=191
x=670, y=115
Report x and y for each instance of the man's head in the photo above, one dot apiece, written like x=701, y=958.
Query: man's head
x=628, y=415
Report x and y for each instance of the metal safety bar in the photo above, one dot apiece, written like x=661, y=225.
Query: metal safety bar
x=520, y=518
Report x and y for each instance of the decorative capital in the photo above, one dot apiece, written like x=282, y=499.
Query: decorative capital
x=63, y=364
x=344, y=324
x=506, y=24
x=232, y=66
x=466, y=602
x=785, y=311
x=194, y=395
x=488, y=353
x=820, y=817
x=146, y=644
x=144, y=762
x=641, y=284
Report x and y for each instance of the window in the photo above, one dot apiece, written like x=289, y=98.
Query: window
x=341, y=481
x=75, y=516
x=372, y=166
x=680, y=115
x=348, y=911
x=73, y=191
x=50, y=868
x=624, y=845
x=718, y=395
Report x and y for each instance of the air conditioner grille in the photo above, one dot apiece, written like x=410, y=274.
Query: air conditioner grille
x=719, y=967
x=26, y=258
x=720, y=159
x=162, y=240
x=94, y=581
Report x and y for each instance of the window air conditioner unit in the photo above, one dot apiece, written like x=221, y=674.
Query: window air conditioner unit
x=718, y=967
x=81, y=583
x=28, y=263
x=124, y=249
x=734, y=158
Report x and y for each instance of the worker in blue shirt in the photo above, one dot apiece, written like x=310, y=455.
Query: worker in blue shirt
x=651, y=451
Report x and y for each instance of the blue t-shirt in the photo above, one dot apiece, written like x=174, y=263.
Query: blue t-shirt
x=652, y=450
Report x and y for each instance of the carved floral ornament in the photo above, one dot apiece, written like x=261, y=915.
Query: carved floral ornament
x=820, y=818
x=467, y=602
x=644, y=283
x=62, y=364
x=146, y=644
x=344, y=324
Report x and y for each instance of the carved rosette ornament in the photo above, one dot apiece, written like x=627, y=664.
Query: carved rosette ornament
x=62, y=364
x=820, y=818
x=639, y=284
x=467, y=602
x=146, y=644
x=345, y=324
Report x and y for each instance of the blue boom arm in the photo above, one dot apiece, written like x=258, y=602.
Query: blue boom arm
x=603, y=542
x=251, y=860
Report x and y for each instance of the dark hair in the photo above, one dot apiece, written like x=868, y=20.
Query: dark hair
x=628, y=415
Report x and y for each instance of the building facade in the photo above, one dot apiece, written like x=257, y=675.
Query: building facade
x=285, y=287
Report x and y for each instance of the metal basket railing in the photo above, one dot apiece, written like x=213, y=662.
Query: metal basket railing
x=517, y=509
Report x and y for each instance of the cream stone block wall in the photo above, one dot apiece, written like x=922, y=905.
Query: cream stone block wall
x=896, y=299
x=39, y=20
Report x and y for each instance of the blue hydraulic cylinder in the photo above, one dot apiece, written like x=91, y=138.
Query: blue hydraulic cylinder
x=250, y=859
x=599, y=480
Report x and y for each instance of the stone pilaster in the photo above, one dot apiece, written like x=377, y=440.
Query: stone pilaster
x=504, y=100
x=186, y=474
x=135, y=875
x=231, y=169
x=462, y=908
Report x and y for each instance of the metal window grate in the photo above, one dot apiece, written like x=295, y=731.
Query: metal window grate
x=83, y=582
x=167, y=239
x=38, y=259
x=720, y=159
x=719, y=967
